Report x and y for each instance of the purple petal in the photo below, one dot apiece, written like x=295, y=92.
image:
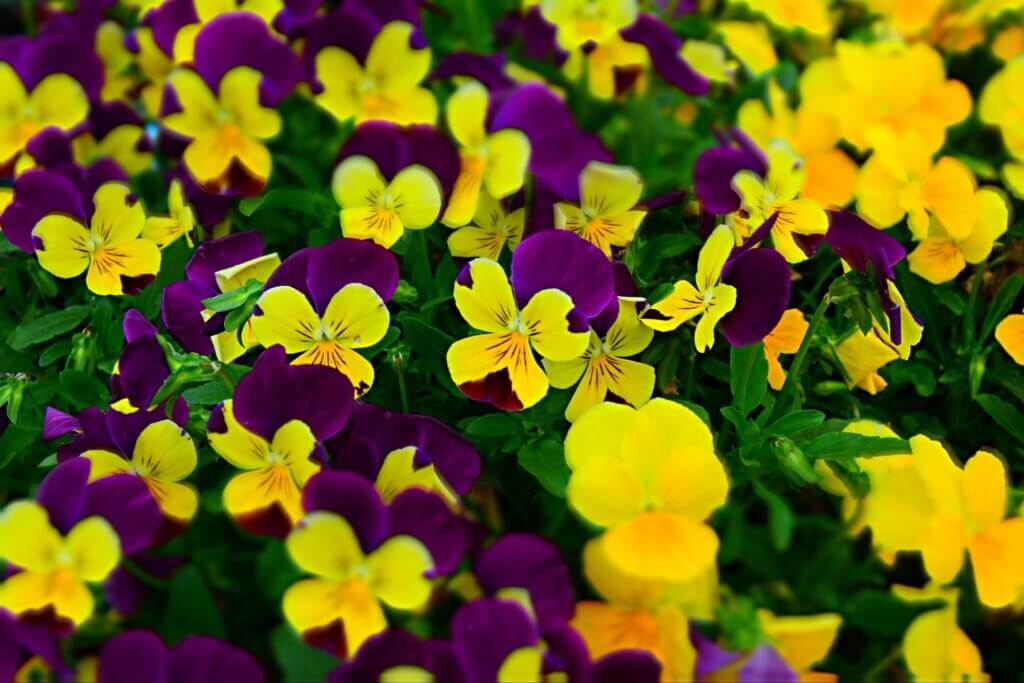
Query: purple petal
x=762, y=280
x=225, y=252
x=536, y=32
x=638, y=666
x=345, y=261
x=142, y=370
x=765, y=664
x=352, y=29
x=96, y=174
x=293, y=272
x=50, y=148
x=518, y=560
x=427, y=517
x=124, y=500
x=36, y=194
x=106, y=116
x=167, y=19
x=566, y=653
x=712, y=178
x=210, y=209
x=126, y=593
x=558, y=259
x=201, y=659
x=134, y=656
x=487, y=69
x=351, y=497
x=181, y=311
x=381, y=141
x=20, y=638
x=59, y=52
x=135, y=325
x=425, y=145
x=295, y=17
x=94, y=434
x=63, y=493
x=57, y=423
x=486, y=631
x=664, y=47
x=243, y=39
x=379, y=653
x=710, y=657
x=274, y=392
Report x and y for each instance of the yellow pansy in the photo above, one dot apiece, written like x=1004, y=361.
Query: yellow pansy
x=651, y=477
x=55, y=568
x=110, y=249
x=582, y=21
x=751, y=43
x=606, y=216
x=935, y=648
x=610, y=65
x=808, y=15
x=122, y=144
x=387, y=87
x=496, y=161
x=710, y=299
x=57, y=100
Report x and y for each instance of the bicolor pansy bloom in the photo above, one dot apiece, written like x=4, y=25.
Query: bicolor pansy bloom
x=604, y=368
x=358, y=563
x=627, y=466
x=115, y=132
x=111, y=249
x=216, y=267
x=584, y=21
x=607, y=215
x=558, y=282
x=180, y=221
x=276, y=443
x=491, y=230
x=71, y=535
x=776, y=194
x=491, y=161
x=324, y=303
x=56, y=100
x=381, y=85
x=208, y=10
x=224, y=105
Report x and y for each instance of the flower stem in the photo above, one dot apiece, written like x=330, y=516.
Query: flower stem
x=787, y=395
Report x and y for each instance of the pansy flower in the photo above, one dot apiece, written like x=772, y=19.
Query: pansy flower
x=400, y=655
x=717, y=166
x=28, y=649
x=582, y=21
x=141, y=368
x=627, y=468
x=784, y=338
x=1010, y=335
x=276, y=443
x=208, y=10
x=325, y=303
x=900, y=180
x=397, y=451
x=558, y=282
x=775, y=194
x=224, y=106
x=141, y=655
x=390, y=180
x=367, y=81
x=216, y=267
x=604, y=368
x=940, y=257
x=118, y=81
x=494, y=161
x=606, y=216
x=612, y=68
x=115, y=132
x=491, y=230
x=711, y=299
x=71, y=535
x=117, y=259
x=180, y=221
x=358, y=560
x=935, y=648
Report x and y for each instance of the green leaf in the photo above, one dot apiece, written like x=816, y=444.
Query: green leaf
x=882, y=613
x=837, y=445
x=48, y=326
x=208, y=394
x=299, y=662
x=232, y=299
x=494, y=424
x=191, y=608
x=546, y=461
x=82, y=389
x=781, y=520
x=425, y=339
x=305, y=202
x=748, y=376
x=1004, y=414
x=796, y=422
x=54, y=352
x=15, y=441
x=1001, y=304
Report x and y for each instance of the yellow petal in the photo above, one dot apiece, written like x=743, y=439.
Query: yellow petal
x=713, y=256
x=984, y=490
x=802, y=641
x=395, y=572
x=474, y=358
x=523, y=665
x=682, y=304
x=178, y=501
x=508, y=154
x=64, y=251
x=937, y=259
x=164, y=452
x=372, y=223
x=392, y=62
x=27, y=539
x=466, y=112
x=658, y=545
x=103, y=463
x=127, y=259
x=356, y=316
x=627, y=336
x=256, y=490
x=486, y=303
x=348, y=362
x=664, y=429
x=416, y=194
x=240, y=96
x=722, y=302
x=630, y=380
x=259, y=268
x=357, y=182
x=474, y=241
x=58, y=100
x=830, y=180
x=598, y=433
x=592, y=387
x=315, y=603
x=605, y=492
x=1010, y=335
x=200, y=109
x=606, y=189
x=340, y=73
x=286, y=317
x=997, y=555
x=61, y=589
x=325, y=545
x=465, y=196
x=237, y=445
x=949, y=193
x=546, y=319
x=293, y=444
x=690, y=485
x=94, y=548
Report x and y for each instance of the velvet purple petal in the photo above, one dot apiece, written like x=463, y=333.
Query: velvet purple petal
x=427, y=517
x=293, y=272
x=456, y=458
x=57, y=423
x=518, y=560
x=37, y=193
x=351, y=497
x=135, y=325
x=712, y=178
x=51, y=149
x=485, y=632
x=295, y=17
x=710, y=657
x=126, y=593
x=62, y=493
x=125, y=502
x=201, y=659
x=222, y=253
x=60, y=52
x=20, y=639
x=243, y=39
x=345, y=261
x=637, y=666
x=134, y=656
x=425, y=145
x=664, y=48
x=765, y=664
x=181, y=311
x=381, y=141
x=566, y=653
x=558, y=259
x=352, y=29
x=167, y=19
x=762, y=281
x=274, y=392
x=487, y=69
x=106, y=116
x=379, y=653
x=210, y=209
x=142, y=370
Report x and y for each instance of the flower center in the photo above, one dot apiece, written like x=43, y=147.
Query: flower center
x=709, y=296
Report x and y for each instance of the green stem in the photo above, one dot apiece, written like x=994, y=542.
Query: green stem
x=969, y=332
x=403, y=393
x=783, y=404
